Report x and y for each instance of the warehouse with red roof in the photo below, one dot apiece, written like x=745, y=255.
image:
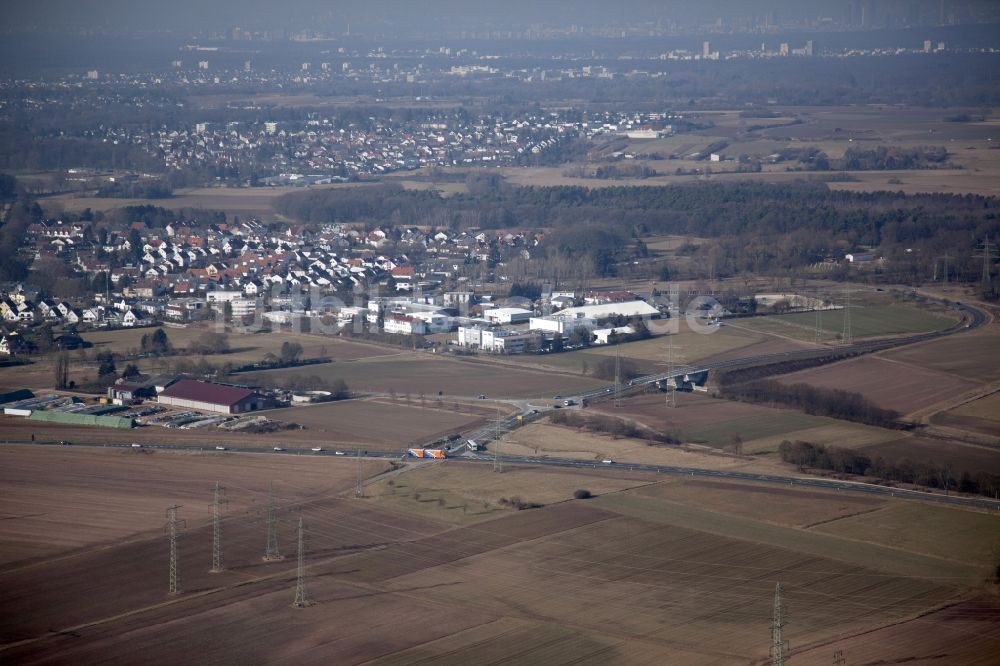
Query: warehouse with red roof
x=209, y=397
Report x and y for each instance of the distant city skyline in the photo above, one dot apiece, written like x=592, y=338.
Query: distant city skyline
x=452, y=17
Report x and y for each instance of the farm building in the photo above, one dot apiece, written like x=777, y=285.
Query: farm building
x=210, y=397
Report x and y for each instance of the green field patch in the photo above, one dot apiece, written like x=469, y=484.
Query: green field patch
x=773, y=424
x=866, y=322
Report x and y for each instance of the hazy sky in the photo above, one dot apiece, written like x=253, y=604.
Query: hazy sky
x=389, y=16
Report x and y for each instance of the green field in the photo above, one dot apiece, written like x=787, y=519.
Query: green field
x=777, y=423
x=866, y=322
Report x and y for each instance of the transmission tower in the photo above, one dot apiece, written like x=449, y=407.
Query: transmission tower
x=359, y=490
x=987, y=248
x=618, y=377
x=848, y=335
x=172, y=529
x=300, y=578
x=838, y=658
x=272, y=552
x=671, y=397
x=497, y=460
x=945, y=258
x=777, y=624
x=217, y=502
x=818, y=331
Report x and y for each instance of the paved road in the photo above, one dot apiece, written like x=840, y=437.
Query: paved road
x=477, y=458
x=973, y=319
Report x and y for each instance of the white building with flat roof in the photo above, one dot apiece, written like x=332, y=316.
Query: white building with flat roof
x=559, y=324
x=605, y=310
x=507, y=315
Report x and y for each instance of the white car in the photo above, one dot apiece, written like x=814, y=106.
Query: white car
x=608, y=462
x=220, y=448
x=278, y=448
x=317, y=449
x=338, y=453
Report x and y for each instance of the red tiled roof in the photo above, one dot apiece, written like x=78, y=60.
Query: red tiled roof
x=217, y=394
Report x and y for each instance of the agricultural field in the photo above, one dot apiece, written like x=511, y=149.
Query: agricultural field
x=764, y=502
x=382, y=423
x=971, y=355
x=429, y=374
x=866, y=322
x=902, y=387
x=710, y=421
x=980, y=416
x=943, y=532
x=645, y=573
x=543, y=439
x=961, y=457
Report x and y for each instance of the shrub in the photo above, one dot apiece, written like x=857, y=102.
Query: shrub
x=582, y=494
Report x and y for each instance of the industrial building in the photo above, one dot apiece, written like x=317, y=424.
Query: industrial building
x=209, y=397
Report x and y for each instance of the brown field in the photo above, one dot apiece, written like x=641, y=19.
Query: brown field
x=961, y=457
x=971, y=356
x=951, y=534
x=711, y=421
x=981, y=415
x=629, y=577
x=65, y=499
x=383, y=423
x=764, y=502
x=903, y=387
x=540, y=439
x=429, y=374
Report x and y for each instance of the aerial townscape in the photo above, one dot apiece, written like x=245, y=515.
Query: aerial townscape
x=395, y=333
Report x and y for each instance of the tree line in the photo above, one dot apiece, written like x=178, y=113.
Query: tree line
x=850, y=461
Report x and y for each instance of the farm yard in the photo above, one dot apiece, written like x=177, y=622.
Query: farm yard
x=647, y=571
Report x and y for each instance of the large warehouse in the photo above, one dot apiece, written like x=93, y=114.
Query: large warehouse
x=210, y=397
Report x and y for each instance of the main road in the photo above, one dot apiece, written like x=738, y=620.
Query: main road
x=972, y=318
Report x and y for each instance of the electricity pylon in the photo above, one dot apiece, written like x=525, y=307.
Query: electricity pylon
x=848, y=335
x=272, y=552
x=217, y=502
x=172, y=528
x=359, y=490
x=987, y=257
x=497, y=460
x=777, y=624
x=300, y=578
x=618, y=377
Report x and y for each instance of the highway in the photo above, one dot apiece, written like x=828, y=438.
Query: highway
x=974, y=318
x=478, y=458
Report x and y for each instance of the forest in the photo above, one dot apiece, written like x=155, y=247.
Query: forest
x=751, y=227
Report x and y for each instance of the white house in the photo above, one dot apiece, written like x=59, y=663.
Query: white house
x=404, y=325
x=602, y=335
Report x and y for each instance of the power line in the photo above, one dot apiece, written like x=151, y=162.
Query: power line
x=173, y=525
x=300, y=578
x=777, y=624
x=217, y=502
